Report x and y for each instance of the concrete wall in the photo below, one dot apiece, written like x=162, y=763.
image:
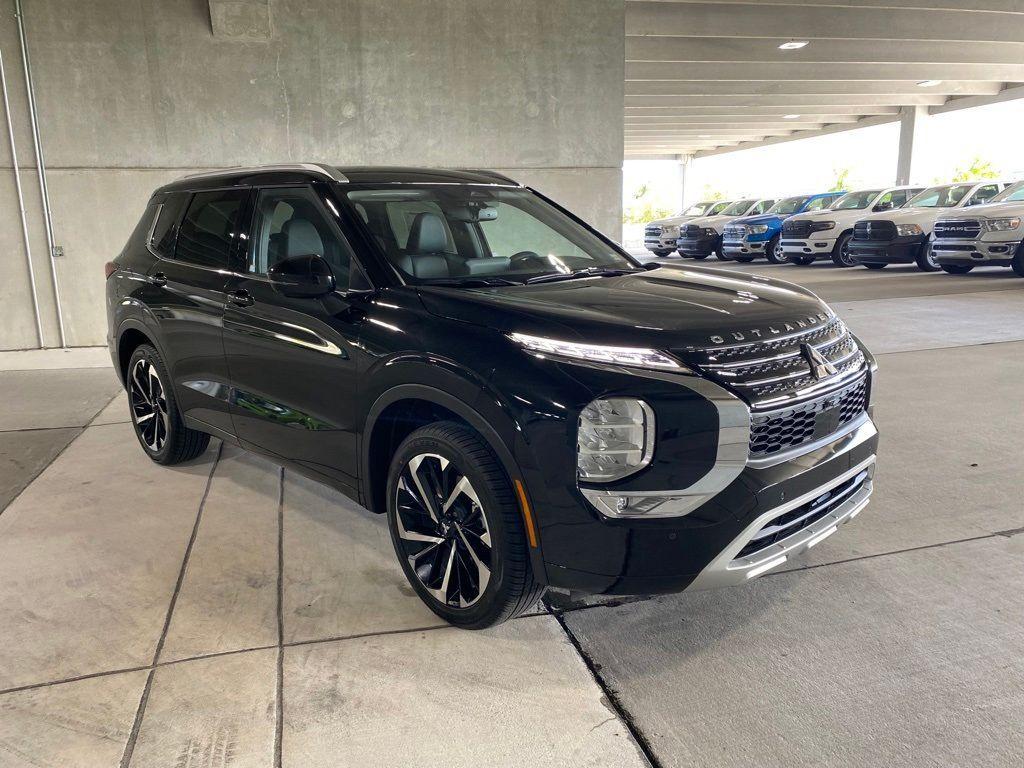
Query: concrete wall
x=131, y=95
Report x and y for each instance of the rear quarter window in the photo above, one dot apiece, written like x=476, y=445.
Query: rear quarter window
x=165, y=228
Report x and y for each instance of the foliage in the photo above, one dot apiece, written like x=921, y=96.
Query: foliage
x=977, y=168
x=842, y=177
x=644, y=212
x=710, y=193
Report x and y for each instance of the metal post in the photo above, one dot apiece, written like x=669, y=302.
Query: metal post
x=21, y=203
x=40, y=165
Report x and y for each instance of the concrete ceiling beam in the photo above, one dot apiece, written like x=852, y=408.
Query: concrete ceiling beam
x=754, y=112
x=841, y=72
x=894, y=89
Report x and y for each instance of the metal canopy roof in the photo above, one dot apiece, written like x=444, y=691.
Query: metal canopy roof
x=708, y=77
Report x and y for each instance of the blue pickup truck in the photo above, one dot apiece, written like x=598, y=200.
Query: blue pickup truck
x=745, y=239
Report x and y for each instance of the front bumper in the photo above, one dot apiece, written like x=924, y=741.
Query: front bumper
x=744, y=247
x=660, y=243
x=818, y=246
x=901, y=250
x=704, y=245
x=975, y=252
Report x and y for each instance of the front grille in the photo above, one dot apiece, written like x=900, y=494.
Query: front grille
x=654, y=231
x=960, y=229
x=734, y=232
x=880, y=231
x=796, y=520
x=690, y=230
x=773, y=370
x=799, y=229
x=782, y=430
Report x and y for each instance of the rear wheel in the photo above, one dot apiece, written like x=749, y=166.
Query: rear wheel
x=957, y=269
x=926, y=260
x=841, y=252
x=876, y=265
x=456, y=528
x=774, y=253
x=154, y=411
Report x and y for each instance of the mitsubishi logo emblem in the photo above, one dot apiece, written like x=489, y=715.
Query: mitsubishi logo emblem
x=820, y=367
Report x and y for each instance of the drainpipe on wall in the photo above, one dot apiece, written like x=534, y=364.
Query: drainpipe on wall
x=21, y=202
x=40, y=167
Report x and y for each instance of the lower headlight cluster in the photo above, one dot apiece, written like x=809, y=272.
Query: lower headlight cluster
x=1001, y=225
x=615, y=438
x=908, y=230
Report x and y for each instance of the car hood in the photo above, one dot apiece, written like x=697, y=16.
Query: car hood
x=845, y=216
x=907, y=215
x=671, y=221
x=761, y=219
x=673, y=306
x=715, y=222
x=986, y=211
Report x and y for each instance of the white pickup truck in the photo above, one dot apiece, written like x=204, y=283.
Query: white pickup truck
x=700, y=237
x=902, y=236
x=660, y=235
x=808, y=237
x=990, y=235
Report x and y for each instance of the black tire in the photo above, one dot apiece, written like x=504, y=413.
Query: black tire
x=875, y=265
x=774, y=253
x=743, y=259
x=509, y=586
x=841, y=251
x=801, y=261
x=956, y=269
x=720, y=253
x=662, y=254
x=925, y=260
x=700, y=256
x=154, y=411
x=1017, y=265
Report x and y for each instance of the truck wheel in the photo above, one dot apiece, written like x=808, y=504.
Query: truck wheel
x=456, y=528
x=1017, y=265
x=743, y=259
x=700, y=256
x=774, y=253
x=802, y=261
x=841, y=252
x=876, y=265
x=926, y=260
x=957, y=269
x=720, y=253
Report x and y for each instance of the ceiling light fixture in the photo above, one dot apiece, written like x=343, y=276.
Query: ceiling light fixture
x=793, y=45
x=929, y=83
x=790, y=117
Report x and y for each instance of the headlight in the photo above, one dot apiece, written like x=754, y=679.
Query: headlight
x=615, y=438
x=670, y=231
x=710, y=232
x=908, y=230
x=757, y=229
x=821, y=226
x=1001, y=225
x=637, y=357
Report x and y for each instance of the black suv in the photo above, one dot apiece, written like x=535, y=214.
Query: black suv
x=527, y=404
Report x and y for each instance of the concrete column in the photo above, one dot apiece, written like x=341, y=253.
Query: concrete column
x=912, y=124
x=684, y=166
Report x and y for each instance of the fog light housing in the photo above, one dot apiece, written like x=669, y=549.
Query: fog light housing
x=614, y=439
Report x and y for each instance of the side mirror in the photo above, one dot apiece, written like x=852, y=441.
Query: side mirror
x=887, y=206
x=302, y=277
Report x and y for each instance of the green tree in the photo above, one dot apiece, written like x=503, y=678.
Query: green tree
x=977, y=168
x=712, y=194
x=842, y=176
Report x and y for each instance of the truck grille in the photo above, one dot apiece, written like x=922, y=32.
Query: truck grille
x=734, y=232
x=797, y=519
x=790, y=405
x=654, y=231
x=690, y=230
x=959, y=229
x=799, y=229
x=883, y=231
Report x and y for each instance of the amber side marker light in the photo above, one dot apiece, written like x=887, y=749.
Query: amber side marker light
x=524, y=505
x=109, y=268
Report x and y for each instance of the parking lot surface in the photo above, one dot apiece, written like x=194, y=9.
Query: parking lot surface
x=225, y=612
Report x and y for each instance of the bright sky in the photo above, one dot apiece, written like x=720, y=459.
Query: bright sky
x=948, y=142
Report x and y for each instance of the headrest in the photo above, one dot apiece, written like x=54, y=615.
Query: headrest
x=301, y=239
x=424, y=265
x=427, y=234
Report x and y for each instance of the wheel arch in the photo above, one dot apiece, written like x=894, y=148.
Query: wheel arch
x=131, y=334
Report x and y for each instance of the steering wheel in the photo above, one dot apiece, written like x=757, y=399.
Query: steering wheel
x=527, y=260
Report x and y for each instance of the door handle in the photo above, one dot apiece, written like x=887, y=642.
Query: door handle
x=241, y=298
x=158, y=278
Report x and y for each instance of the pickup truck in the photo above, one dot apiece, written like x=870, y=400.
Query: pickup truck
x=751, y=236
x=990, y=236
x=902, y=236
x=701, y=237
x=827, y=234
x=660, y=235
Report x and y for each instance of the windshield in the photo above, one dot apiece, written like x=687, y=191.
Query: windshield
x=738, y=208
x=940, y=197
x=465, y=233
x=789, y=205
x=855, y=201
x=1012, y=194
x=717, y=208
x=697, y=210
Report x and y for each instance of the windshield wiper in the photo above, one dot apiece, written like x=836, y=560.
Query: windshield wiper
x=588, y=272
x=473, y=282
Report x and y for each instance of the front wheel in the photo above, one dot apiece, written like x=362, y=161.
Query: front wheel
x=1017, y=265
x=456, y=528
x=802, y=261
x=720, y=253
x=774, y=253
x=876, y=265
x=700, y=256
x=957, y=269
x=926, y=260
x=154, y=411
x=841, y=252
x=743, y=259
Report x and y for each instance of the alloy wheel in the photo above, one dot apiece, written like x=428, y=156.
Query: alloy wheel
x=148, y=404
x=780, y=254
x=443, y=530
x=931, y=258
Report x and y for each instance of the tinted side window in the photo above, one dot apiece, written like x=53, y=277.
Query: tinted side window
x=291, y=222
x=819, y=204
x=165, y=229
x=209, y=228
x=984, y=194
